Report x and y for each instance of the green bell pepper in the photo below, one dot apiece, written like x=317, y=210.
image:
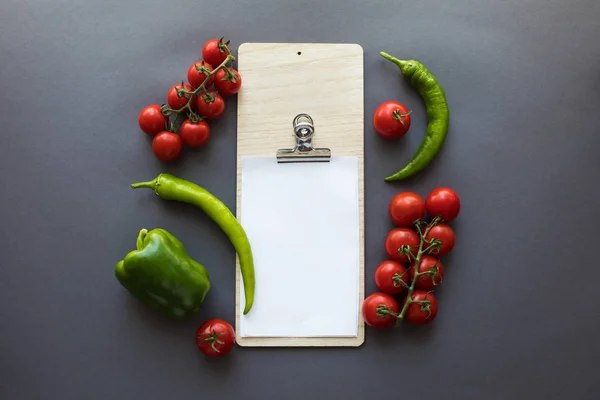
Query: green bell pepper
x=162, y=275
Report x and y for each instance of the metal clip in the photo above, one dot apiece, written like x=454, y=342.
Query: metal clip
x=304, y=151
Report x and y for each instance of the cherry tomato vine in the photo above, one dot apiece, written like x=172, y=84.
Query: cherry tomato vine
x=420, y=246
x=195, y=100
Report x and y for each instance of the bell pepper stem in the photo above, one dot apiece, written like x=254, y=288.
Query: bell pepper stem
x=139, y=244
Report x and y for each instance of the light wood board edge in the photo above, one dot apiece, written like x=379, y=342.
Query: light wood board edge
x=304, y=341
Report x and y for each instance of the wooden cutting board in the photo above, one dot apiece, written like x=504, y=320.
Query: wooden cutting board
x=281, y=80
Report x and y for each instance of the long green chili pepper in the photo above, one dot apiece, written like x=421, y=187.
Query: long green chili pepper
x=169, y=187
x=438, y=115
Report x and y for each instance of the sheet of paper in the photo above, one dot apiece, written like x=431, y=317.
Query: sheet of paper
x=302, y=220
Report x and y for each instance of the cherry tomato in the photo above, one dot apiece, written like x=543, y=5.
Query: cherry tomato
x=214, y=52
x=194, y=134
x=399, y=237
x=405, y=208
x=435, y=273
x=443, y=202
x=376, y=308
x=215, y=338
x=151, y=120
x=167, y=146
x=388, y=276
x=197, y=78
x=213, y=109
x=445, y=235
x=173, y=99
x=225, y=85
x=391, y=120
x=424, y=312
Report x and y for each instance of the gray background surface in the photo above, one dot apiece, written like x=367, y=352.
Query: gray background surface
x=519, y=310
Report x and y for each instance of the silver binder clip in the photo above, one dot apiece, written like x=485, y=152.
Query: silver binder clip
x=304, y=151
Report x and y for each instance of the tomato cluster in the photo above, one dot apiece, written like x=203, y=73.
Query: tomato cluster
x=201, y=99
x=413, y=270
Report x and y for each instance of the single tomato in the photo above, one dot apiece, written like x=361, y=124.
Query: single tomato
x=210, y=106
x=405, y=208
x=443, y=202
x=391, y=120
x=445, y=235
x=197, y=78
x=389, y=276
x=177, y=101
x=215, y=338
x=194, y=134
x=399, y=237
x=228, y=82
x=167, y=146
x=424, y=308
x=215, y=51
x=152, y=120
x=379, y=310
x=433, y=269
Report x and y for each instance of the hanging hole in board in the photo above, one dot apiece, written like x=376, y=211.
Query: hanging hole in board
x=299, y=53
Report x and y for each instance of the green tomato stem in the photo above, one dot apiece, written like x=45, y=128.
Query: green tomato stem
x=420, y=253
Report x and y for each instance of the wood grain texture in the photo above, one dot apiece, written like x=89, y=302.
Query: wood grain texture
x=280, y=81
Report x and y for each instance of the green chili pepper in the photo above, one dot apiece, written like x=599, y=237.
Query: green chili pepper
x=438, y=115
x=169, y=187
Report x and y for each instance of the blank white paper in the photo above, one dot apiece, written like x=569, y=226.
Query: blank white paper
x=302, y=220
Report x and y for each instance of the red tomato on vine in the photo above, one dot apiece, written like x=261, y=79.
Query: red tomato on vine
x=167, y=146
x=194, y=134
x=443, y=202
x=152, y=120
x=210, y=106
x=424, y=308
x=399, y=237
x=405, y=208
x=228, y=82
x=433, y=271
x=175, y=100
x=379, y=310
x=445, y=235
x=215, y=51
x=197, y=78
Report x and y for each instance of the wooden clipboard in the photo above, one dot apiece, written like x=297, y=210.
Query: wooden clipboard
x=325, y=81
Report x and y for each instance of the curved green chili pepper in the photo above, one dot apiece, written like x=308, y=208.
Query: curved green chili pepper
x=169, y=187
x=438, y=115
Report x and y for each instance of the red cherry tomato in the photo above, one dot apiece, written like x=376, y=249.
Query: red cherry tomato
x=391, y=120
x=197, y=78
x=443, y=202
x=401, y=237
x=445, y=235
x=210, y=109
x=228, y=84
x=434, y=270
x=405, y=208
x=215, y=338
x=167, y=146
x=214, y=52
x=388, y=277
x=175, y=101
x=151, y=120
x=376, y=309
x=424, y=311
x=194, y=134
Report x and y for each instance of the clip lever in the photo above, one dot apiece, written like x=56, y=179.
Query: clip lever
x=304, y=151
